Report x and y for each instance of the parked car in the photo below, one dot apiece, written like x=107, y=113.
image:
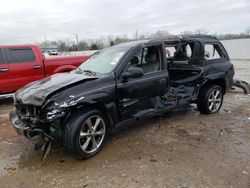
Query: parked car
x=22, y=64
x=128, y=81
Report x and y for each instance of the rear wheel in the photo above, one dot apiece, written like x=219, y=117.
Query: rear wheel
x=85, y=133
x=210, y=99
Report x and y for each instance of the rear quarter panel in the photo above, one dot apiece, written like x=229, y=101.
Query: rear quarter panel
x=219, y=68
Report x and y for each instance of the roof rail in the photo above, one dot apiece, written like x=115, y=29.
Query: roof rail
x=197, y=36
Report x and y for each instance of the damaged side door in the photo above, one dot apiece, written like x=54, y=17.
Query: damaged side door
x=185, y=70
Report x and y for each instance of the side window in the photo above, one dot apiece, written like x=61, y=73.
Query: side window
x=184, y=54
x=136, y=59
x=1, y=57
x=19, y=55
x=151, y=59
x=212, y=52
x=147, y=58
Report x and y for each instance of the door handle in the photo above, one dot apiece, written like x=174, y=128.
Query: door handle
x=194, y=72
x=37, y=67
x=4, y=70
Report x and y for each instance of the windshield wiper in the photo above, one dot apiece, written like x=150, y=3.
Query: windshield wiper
x=80, y=71
x=90, y=72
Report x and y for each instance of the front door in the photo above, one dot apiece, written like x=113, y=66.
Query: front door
x=24, y=67
x=4, y=74
x=138, y=95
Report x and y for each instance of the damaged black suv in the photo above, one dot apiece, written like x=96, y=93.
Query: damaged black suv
x=127, y=81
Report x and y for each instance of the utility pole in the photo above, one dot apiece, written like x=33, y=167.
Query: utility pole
x=136, y=34
x=77, y=41
x=45, y=44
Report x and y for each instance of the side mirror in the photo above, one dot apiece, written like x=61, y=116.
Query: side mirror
x=133, y=73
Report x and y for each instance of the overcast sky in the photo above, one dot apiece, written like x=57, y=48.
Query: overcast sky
x=29, y=21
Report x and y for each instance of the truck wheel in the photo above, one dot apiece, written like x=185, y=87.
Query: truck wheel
x=210, y=99
x=85, y=133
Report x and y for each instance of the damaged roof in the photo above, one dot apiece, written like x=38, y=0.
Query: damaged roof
x=199, y=37
x=138, y=42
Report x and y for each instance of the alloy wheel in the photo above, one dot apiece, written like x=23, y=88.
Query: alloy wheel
x=214, y=100
x=92, y=134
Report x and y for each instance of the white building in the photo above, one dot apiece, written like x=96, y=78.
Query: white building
x=237, y=48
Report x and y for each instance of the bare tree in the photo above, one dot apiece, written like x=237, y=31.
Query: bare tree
x=186, y=32
x=104, y=41
x=247, y=32
x=61, y=46
x=201, y=31
x=82, y=45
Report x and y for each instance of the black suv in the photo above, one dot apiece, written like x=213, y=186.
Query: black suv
x=127, y=81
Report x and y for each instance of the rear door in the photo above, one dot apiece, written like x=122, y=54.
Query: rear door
x=24, y=67
x=185, y=71
x=4, y=74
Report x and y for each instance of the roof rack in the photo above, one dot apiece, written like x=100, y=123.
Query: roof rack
x=197, y=36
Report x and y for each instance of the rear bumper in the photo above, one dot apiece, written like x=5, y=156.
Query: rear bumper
x=20, y=127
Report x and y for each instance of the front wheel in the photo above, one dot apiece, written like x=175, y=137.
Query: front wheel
x=85, y=133
x=210, y=99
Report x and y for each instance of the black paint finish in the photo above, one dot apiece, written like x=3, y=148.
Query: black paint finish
x=43, y=107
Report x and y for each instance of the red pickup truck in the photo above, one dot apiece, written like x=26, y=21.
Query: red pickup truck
x=22, y=64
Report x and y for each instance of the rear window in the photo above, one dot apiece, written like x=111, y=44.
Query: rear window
x=19, y=55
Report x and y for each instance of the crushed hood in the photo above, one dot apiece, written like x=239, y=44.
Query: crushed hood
x=37, y=92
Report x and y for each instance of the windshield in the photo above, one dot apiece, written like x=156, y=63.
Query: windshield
x=102, y=62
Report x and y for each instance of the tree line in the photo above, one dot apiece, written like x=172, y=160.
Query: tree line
x=102, y=42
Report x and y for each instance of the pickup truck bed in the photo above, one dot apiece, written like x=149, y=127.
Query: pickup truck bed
x=67, y=63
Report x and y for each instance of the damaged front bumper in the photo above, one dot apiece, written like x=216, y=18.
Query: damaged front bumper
x=25, y=128
x=29, y=131
x=20, y=127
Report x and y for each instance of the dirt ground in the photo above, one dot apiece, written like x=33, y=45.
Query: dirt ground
x=183, y=149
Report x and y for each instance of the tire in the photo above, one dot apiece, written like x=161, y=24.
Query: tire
x=243, y=85
x=85, y=133
x=247, y=87
x=210, y=99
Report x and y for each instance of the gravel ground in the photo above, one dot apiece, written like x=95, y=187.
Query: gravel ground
x=182, y=149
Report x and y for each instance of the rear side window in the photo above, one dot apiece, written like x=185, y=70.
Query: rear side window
x=19, y=55
x=212, y=52
x=189, y=51
x=170, y=51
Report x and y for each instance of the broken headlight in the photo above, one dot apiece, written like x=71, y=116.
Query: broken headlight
x=55, y=113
